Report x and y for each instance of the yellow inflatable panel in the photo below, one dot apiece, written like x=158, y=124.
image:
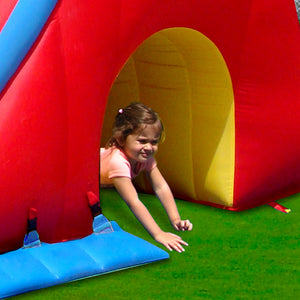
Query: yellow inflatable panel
x=181, y=74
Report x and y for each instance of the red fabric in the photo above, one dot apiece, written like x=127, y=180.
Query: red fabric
x=279, y=207
x=92, y=198
x=6, y=8
x=32, y=213
x=267, y=106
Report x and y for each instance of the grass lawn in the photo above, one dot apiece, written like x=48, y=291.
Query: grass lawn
x=253, y=254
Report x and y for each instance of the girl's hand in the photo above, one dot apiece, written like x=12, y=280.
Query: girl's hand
x=171, y=241
x=182, y=225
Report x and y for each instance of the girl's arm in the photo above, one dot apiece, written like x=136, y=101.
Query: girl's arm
x=163, y=192
x=127, y=191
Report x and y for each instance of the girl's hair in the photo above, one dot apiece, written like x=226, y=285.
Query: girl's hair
x=132, y=118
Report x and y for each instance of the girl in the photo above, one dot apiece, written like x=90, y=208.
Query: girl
x=136, y=134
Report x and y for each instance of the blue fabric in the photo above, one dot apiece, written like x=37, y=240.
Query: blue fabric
x=20, y=32
x=29, y=269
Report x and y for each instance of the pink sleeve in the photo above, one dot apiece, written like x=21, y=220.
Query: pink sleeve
x=118, y=167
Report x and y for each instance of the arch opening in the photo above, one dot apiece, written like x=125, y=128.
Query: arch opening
x=182, y=75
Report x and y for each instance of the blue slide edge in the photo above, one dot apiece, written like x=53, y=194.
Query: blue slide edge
x=29, y=269
x=20, y=32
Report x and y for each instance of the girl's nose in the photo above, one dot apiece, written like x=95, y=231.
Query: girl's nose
x=148, y=147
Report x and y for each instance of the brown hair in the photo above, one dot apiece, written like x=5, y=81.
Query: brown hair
x=132, y=118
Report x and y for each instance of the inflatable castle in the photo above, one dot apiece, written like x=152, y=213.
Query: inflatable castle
x=223, y=75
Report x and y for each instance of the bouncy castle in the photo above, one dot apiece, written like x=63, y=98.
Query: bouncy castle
x=223, y=75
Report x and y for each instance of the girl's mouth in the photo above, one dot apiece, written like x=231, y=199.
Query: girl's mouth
x=145, y=155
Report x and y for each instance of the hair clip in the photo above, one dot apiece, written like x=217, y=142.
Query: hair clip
x=121, y=110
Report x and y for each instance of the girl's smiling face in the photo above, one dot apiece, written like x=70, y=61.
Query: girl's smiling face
x=140, y=146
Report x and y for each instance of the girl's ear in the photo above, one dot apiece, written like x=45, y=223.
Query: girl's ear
x=120, y=140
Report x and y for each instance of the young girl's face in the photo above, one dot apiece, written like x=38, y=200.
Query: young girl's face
x=142, y=145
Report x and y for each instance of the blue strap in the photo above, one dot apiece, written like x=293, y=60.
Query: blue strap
x=31, y=239
x=101, y=225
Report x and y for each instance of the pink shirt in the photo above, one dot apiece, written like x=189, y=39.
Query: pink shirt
x=114, y=163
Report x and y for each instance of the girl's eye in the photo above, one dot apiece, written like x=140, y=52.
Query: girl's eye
x=143, y=141
x=153, y=143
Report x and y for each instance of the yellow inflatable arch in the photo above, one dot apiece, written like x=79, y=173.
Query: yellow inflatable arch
x=182, y=75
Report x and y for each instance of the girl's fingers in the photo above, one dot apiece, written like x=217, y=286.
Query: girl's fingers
x=187, y=225
x=177, y=245
x=172, y=241
x=183, y=225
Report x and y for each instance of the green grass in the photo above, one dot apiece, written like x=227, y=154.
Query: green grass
x=253, y=254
